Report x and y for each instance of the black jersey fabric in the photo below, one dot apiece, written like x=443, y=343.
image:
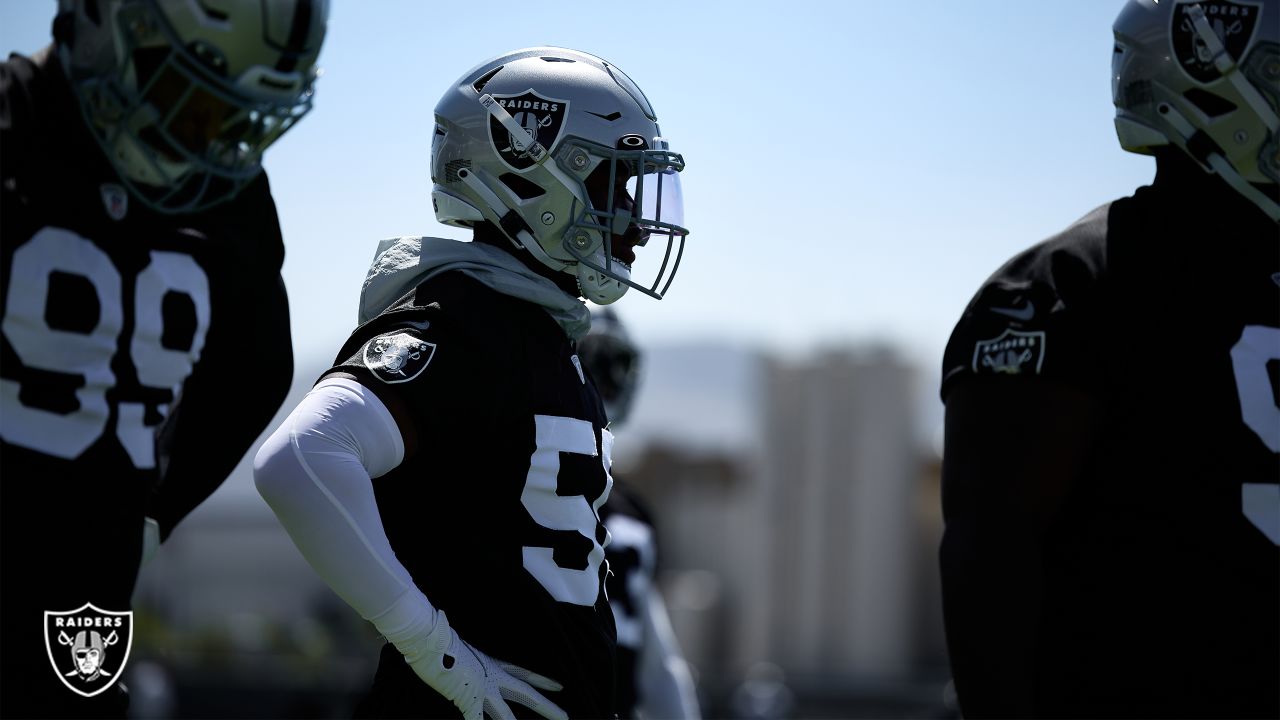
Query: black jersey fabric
x=494, y=510
x=1163, y=596
x=632, y=555
x=110, y=326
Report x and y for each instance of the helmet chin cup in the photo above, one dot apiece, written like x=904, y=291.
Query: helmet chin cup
x=136, y=164
x=601, y=279
x=602, y=289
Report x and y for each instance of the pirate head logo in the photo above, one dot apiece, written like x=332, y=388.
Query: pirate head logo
x=397, y=357
x=1233, y=23
x=88, y=647
x=1012, y=353
x=541, y=117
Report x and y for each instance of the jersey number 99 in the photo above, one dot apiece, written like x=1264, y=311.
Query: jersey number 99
x=77, y=347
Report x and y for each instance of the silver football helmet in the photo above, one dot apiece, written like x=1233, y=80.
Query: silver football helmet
x=184, y=96
x=1204, y=76
x=562, y=151
x=613, y=359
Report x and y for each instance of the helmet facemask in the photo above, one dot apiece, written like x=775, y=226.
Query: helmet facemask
x=632, y=195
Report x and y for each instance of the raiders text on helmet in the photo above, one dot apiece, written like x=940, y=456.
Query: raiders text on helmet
x=561, y=151
x=1204, y=76
x=185, y=96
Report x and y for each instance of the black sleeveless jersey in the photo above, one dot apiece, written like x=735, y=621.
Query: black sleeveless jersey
x=494, y=510
x=1163, y=587
x=112, y=317
x=632, y=555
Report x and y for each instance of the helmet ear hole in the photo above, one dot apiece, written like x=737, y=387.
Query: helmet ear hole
x=524, y=188
x=1208, y=103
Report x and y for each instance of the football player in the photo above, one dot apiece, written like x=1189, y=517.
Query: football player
x=1112, y=423
x=653, y=677
x=445, y=476
x=140, y=263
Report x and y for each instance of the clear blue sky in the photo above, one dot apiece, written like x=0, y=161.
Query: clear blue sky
x=856, y=168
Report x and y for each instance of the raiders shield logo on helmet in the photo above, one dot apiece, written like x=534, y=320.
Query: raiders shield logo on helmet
x=1233, y=22
x=397, y=357
x=541, y=117
x=88, y=647
x=1013, y=352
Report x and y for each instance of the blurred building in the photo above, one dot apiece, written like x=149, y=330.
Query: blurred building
x=810, y=550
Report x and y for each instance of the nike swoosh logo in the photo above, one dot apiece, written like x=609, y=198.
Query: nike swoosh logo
x=1022, y=314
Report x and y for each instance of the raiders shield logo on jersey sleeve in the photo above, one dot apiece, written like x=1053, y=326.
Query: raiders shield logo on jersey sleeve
x=1013, y=352
x=397, y=357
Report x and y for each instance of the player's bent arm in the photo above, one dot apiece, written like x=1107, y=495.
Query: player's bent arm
x=666, y=686
x=192, y=467
x=1013, y=449
x=316, y=473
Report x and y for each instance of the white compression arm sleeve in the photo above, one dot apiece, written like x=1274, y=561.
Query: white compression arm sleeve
x=315, y=472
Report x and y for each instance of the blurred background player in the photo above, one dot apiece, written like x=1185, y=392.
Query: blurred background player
x=140, y=258
x=653, y=677
x=1113, y=410
x=445, y=476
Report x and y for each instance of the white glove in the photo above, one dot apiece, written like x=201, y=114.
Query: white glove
x=474, y=682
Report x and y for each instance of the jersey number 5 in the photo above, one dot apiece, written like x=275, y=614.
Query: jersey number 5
x=74, y=345
x=560, y=501
x=1259, y=345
